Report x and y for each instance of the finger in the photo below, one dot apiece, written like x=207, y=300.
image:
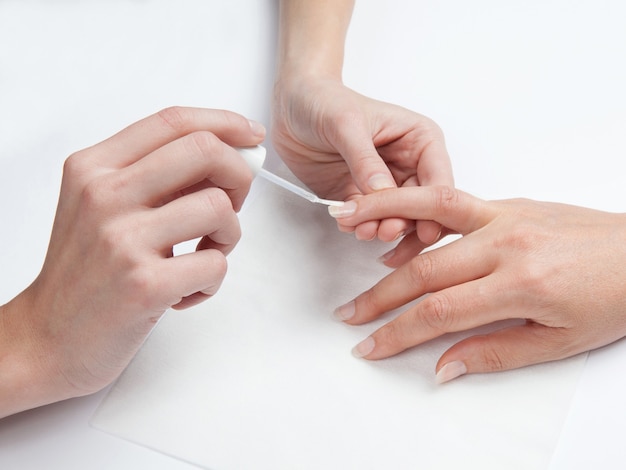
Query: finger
x=366, y=231
x=455, y=309
x=393, y=228
x=409, y=247
x=369, y=171
x=191, y=300
x=509, y=348
x=433, y=168
x=196, y=158
x=432, y=271
x=448, y=206
x=428, y=231
x=153, y=132
x=193, y=277
x=207, y=212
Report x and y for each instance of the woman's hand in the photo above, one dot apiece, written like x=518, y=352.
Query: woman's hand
x=110, y=272
x=558, y=267
x=343, y=145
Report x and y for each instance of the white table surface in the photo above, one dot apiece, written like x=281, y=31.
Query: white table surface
x=530, y=96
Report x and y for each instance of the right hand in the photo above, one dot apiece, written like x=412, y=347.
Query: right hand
x=110, y=272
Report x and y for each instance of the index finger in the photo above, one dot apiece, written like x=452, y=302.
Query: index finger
x=448, y=206
x=157, y=130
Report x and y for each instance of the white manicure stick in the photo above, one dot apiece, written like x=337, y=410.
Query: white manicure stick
x=255, y=156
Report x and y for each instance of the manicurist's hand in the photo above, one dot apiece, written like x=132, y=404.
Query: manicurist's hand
x=110, y=272
x=558, y=268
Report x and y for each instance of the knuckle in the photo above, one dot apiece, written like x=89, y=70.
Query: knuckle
x=219, y=266
x=447, y=198
x=392, y=335
x=535, y=278
x=203, y=143
x=437, y=313
x=175, y=117
x=118, y=240
x=493, y=358
x=420, y=270
x=216, y=201
x=95, y=195
x=104, y=194
x=367, y=304
x=144, y=285
x=518, y=238
x=232, y=120
x=429, y=129
x=75, y=165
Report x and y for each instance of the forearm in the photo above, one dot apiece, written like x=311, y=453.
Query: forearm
x=312, y=35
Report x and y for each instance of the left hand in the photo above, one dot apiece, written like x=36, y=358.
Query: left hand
x=343, y=145
x=558, y=267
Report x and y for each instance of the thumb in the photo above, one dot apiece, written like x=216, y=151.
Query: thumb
x=506, y=349
x=369, y=171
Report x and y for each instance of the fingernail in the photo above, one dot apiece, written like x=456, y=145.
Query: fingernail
x=364, y=347
x=380, y=181
x=387, y=256
x=400, y=235
x=348, y=208
x=345, y=312
x=450, y=371
x=257, y=128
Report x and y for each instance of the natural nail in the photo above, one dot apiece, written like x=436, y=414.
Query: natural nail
x=345, y=312
x=364, y=347
x=381, y=181
x=387, y=256
x=348, y=208
x=257, y=128
x=450, y=371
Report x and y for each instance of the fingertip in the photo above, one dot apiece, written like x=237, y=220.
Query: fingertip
x=428, y=231
x=450, y=371
x=366, y=231
x=345, y=228
x=345, y=210
x=387, y=258
x=258, y=129
x=364, y=348
x=190, y=301
x=368, y=169
x=380, y=181
x=393, y=229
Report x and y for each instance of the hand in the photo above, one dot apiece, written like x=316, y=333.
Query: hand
x=558, y=267
x=110, y=272
x=343, y=145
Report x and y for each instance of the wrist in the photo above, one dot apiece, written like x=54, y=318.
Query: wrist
x=312, y=37
x=25, y=365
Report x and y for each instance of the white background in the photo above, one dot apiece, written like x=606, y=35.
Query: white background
x=529, y=94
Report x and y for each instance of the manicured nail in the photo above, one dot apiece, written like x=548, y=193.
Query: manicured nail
x=450, y=371
x=257, y=128
x=345, y=312
x=348, y=208
x=364, y=347
x=380, y=181
x=387, y=256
